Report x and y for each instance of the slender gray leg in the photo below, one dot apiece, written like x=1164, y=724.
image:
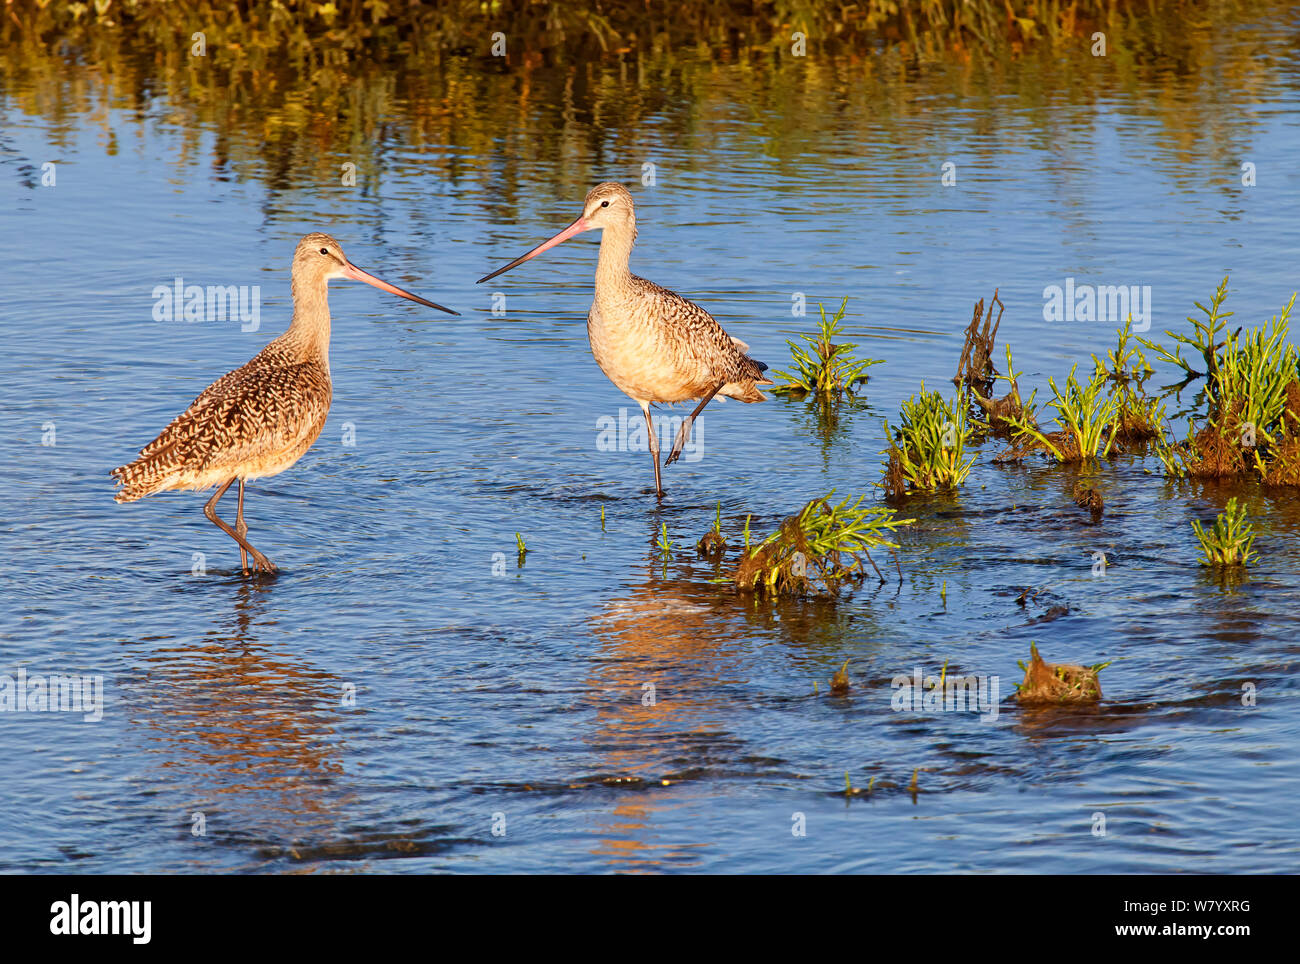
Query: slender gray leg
x=654, y=447
x=210, y=510
x=241, y=528
x=684, y=432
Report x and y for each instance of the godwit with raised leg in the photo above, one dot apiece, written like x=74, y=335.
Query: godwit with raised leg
x=259, y=419
x=653, y=344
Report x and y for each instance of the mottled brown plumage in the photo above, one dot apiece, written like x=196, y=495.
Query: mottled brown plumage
x=251, y=423
x=653, y=344
x=259, y=419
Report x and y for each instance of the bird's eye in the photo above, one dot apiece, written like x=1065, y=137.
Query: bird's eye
x=324, y=250
x=604, y=204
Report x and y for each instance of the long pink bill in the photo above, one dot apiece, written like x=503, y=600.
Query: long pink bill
x=577, y=227
x=354, y=273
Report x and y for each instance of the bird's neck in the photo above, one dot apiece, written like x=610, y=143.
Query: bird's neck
x=310, y=330
x=612, y=270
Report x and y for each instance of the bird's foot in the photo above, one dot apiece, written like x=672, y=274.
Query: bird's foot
x=679, y=443
x=262, y=564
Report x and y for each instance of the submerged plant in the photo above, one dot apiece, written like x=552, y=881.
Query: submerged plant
x=840, y=681
x=664, y=544
x=1088, y=498
x=713, y=544
x=928, y=451
x=818, y=549
x=1088, y=422
x=822, y=368
x=1229, y=542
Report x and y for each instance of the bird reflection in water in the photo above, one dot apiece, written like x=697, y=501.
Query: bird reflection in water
x=680, y=637
x=244, y=736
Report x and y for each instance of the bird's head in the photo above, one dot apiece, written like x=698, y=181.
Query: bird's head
x=608, y=205
x=319, y=257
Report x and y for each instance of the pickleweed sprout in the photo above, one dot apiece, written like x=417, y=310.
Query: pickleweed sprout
x=822, y=368
x=1229, y=542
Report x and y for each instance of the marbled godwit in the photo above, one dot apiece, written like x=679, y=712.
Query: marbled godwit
x=258, y=420
x=652, y=343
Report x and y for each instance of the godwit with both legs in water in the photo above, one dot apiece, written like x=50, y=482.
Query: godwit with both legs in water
x=259, y=419
x=653, y=344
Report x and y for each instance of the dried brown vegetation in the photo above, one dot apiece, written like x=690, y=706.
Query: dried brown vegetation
x=712, y=545
x=976, y=364
x=1088, y=498
x=1057, y=683
x=997, y=411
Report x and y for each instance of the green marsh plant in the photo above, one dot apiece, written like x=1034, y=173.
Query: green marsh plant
x=1229, y=542
x=1087, y=420
x=1126, y=363
x=1252, y=374
x=1252, y=402
x=819, y=549
x=822, y=368
x=928, y=450
x=713, y=544
x=1204, y=339
x=996, y=410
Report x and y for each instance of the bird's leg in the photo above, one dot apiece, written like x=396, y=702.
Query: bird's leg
x=684, y=432
x=259, y=561
x=210, y=510
x=241, y=528
x=654, y=448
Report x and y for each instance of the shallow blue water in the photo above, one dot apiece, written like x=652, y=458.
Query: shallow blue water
x=493, y=695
